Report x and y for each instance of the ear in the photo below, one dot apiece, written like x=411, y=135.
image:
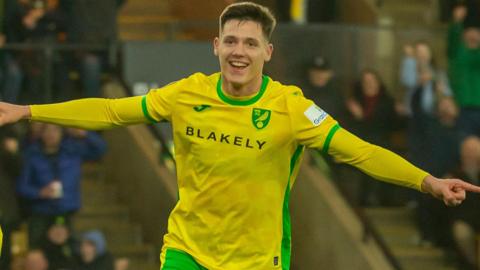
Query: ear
x=268, y=51
x=216, y=43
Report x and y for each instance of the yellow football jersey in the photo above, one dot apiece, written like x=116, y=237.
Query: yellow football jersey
x=237, y=159
x=236, y=162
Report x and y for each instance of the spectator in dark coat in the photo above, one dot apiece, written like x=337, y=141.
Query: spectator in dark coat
x=324, y=88
x=51, y=175
x=372, y=116
x=59, y=246
x=465, y=223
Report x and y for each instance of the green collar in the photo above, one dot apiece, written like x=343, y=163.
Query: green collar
x=236, y=102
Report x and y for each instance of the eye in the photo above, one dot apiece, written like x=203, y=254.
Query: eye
x=229, y=41
x=251, y=44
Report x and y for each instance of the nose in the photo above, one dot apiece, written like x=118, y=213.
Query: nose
x=239, y=49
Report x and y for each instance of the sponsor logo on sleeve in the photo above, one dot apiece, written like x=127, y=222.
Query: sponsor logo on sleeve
x=315, y=115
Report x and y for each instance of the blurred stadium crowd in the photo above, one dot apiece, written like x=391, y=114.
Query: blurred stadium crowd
x=436, y=111
x=40, y=167
x=435, y=124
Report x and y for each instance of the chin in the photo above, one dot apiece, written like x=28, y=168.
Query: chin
x=236, y=79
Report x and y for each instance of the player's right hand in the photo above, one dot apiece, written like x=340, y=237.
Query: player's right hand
x=11, y=113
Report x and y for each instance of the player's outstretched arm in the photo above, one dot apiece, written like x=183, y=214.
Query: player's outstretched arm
x=387, y=166
x=11, y=113
x=90, y=113
x=451, y=191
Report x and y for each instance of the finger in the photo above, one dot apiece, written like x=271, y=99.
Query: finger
x=459, y=193
x=460, y=196
x=468, y=187
x=452, y=202
x=449, y=199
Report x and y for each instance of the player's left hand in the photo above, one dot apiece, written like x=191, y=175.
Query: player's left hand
x=451, y=191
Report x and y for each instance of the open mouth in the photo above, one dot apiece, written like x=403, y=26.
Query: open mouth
x=238, y=64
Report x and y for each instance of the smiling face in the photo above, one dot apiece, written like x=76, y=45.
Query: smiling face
x=242, y=50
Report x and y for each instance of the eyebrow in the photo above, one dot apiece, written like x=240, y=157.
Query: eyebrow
x=246, y=39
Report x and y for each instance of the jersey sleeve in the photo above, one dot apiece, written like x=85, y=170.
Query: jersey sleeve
x=314, y=128
x=311, y=126
x=159, y=104
x=99, y=113
x=375, y=161
x=91, y=113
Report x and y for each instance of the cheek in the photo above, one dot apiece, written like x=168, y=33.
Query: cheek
x=258, y=57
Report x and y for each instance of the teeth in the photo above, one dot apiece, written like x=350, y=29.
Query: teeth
x=238, y=64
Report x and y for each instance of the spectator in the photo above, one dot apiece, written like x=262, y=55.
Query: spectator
x=426, y=87
x=10, y=164
x=34, y=133
x=465, y=219
x=122, y=264
x=93, y=252
x=43, y=21
x=323, y=88
x=464, y=70
x=59, y=246
x=10, y=73
x=371, y=108
x=50, y=178
x=35, y=260
x=372, y=116
x=431, y=132
x=92, y=22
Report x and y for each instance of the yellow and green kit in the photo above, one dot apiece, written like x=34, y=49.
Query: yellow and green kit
x=237, y=159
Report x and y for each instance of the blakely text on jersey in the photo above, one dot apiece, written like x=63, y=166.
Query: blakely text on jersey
x=225, y=138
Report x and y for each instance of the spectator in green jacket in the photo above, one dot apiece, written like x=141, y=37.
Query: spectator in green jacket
x=464, y=67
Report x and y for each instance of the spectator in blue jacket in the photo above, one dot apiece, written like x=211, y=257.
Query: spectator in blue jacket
x=50, y=179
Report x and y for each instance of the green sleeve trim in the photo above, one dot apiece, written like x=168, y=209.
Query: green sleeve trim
x=145, y=110
x=332, y=132
x=236, y=102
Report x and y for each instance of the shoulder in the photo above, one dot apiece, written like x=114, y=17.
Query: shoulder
x=288, y=96
x=193, y=82
x=279, y=89
x=202, y=79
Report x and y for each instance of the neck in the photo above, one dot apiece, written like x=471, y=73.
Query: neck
x=242, y=90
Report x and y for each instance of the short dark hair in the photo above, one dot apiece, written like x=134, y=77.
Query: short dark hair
x=248, y=11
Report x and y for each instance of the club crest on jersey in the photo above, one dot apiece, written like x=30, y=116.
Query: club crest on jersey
x=260, y=118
